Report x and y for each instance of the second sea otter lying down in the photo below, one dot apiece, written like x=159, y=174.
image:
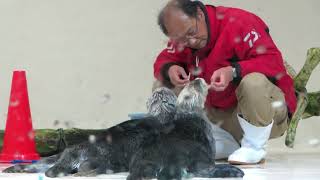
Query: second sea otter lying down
x=175, y=141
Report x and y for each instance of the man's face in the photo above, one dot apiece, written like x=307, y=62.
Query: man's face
x=186, y=31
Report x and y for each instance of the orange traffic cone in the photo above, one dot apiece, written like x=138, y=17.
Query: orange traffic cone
x=19, y=144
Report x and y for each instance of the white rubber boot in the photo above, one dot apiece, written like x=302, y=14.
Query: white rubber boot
x=253, y=143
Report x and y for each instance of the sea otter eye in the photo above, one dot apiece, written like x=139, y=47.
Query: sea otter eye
x=187, y=97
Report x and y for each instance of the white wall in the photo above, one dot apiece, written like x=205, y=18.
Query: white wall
x=89, y=62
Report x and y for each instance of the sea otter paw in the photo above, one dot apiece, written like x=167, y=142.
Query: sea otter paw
x=57, y=171
x=90, y=173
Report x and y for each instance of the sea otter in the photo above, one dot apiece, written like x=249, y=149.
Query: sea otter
x=172, y=147
x=124, y=138
x=185, y=146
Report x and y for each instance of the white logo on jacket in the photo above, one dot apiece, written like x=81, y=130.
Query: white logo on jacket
x=171, y=48
x=251, y=38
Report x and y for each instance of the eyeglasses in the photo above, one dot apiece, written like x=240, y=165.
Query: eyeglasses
x=191, y=34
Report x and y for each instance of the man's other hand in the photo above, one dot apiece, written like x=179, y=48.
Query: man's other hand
x=221, y=78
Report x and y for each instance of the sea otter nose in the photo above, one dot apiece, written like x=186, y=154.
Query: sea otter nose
x=197, y=81
x=200, y=81
x=200, y=84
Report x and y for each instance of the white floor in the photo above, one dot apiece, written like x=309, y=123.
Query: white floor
x=278, y=166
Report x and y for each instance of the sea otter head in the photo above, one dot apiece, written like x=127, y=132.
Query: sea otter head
x=162, y=104
x=193, y=95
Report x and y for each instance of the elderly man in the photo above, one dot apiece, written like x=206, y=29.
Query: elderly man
x=251, y=95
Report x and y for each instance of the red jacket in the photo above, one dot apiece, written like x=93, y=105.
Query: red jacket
x=238, y=37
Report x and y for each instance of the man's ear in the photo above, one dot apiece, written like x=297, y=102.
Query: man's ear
x=200, y=13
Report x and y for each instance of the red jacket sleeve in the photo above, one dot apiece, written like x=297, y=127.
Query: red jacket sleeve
x=255, y=48
x=168, y=57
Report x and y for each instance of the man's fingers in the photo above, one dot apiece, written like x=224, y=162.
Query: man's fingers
x=222, y=81
x=182, y=78
x=183, y=73
x=219, y=84
x=217, y=88
x=213, y=77
x=181, y=85
x=219, y=80
x=179, y=82
x=183, y=82
x=217, y=77
x=220, y=88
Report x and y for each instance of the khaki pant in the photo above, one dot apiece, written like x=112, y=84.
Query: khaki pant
x=257, y=103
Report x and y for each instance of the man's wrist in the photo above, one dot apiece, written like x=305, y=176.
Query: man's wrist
x=234, y=73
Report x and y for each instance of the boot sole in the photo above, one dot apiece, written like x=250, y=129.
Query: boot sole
x=244, y=163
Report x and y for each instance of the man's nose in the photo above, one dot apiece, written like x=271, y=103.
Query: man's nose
x=191, y=41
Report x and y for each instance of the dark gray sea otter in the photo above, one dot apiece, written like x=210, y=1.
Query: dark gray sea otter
x=185, y=146
x=178, y=145
x=120, y=141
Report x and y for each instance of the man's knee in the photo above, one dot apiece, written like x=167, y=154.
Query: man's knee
x=253, y=82
x=254, y=88
x=254, y=102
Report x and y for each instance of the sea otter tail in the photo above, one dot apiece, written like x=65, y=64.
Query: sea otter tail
x=39, y=167
x=225, y=170
x=219, y=171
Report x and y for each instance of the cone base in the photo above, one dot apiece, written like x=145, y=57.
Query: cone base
x=9, y=158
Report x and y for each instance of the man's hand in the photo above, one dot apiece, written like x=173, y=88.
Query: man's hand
x=221, y=78
x=178, y=76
